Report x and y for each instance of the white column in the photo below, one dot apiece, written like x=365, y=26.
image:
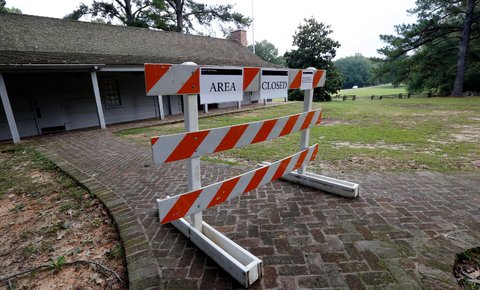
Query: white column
x=193, y=164
x=160, y=108
x=8, y=111
x=205, y=108
x=239, y=104
x=98, y=100
x=307, y=106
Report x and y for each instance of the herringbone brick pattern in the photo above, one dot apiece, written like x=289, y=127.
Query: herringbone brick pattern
x=402, y=233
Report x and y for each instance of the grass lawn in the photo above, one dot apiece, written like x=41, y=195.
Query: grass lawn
x=381, y=90
x=436, y=134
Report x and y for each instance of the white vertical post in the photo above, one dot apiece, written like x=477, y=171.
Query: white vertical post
x=285, y=99
x=264, y=102
x=205, y=108
x=160, y=107
x=8, y=111
x=98, y=101
x=307, y=106
x=239, y=105
x=193, y=164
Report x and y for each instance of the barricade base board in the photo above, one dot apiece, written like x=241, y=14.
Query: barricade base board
x=324, y=183
x=235, y=260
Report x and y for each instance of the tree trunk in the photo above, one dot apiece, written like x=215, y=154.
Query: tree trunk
x=463, y=50
x=179, y=14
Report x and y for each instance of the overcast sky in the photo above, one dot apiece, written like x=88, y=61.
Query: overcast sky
x=355, y=24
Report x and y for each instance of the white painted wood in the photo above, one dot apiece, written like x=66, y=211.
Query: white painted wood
x=193, y=164
x=235, y=260
x=305, y=134
x=205, y=108
x=160, y=107
x=321, y=182
x=98, y=101
x=239, y=105
x=8, y=111
x=324, y=183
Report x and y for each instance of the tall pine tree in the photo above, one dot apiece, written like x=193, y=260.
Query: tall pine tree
x=440, y=52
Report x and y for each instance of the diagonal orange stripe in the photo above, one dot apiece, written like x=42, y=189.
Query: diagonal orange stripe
x=224, y=191
x=181, y=206
x=281, y=168
x=308, y=120
x=187, y=146
x=296, y=81
x=317, y=77
x=319, y=118
x=256, y=178
x=154, y=140
x=315, y=151
x=300, y=160
x=192, y=85
x=153, y=73
x=289, y=125
x=266, y=128
x=249, y=74
x=231, y=138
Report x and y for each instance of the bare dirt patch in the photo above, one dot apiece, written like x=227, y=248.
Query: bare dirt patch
x=467, y=134
x=378, y=145
x=45, y=217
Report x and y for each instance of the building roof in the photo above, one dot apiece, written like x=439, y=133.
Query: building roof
x=26, y=39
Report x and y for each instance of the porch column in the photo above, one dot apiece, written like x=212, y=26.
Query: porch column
x=8, y=111
x=98, y=101
x=160, y=107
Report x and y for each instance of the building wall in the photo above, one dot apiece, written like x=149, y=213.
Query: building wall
x=135, y=104
x=42, y=100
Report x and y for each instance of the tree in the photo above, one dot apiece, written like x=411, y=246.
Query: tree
x=4, y=9
x=356, y=69
x=268, y=52
x=316, y=49
x=170, y=15
x=440, y=51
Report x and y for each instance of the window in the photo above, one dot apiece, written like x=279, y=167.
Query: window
x=111, y=93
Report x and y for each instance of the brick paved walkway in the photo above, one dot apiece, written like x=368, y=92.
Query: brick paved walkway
x=402, y=233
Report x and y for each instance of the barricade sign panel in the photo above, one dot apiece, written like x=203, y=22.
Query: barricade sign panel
x=251, y=79
x=178, y=206
x=185, y=145
x=273, y=83
x=221, y=84
x=319, y=78
x=168, y=79
x=294, y=78
x=307, y=79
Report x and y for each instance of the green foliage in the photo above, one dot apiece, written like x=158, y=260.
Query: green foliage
x=356, y=69
x=174, y=15
x=268, y=52
x=4, y=9
x=316, y=49
x=428, y=54
x=116, y=251
x=57, y=264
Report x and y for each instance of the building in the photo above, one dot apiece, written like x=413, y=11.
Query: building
x=58, y=75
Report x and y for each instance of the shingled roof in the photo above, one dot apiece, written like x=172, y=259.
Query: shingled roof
x=26, y=39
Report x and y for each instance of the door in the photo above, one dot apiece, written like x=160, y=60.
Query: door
x=49, y=113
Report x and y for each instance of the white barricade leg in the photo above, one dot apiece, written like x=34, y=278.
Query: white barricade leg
x=193, y=164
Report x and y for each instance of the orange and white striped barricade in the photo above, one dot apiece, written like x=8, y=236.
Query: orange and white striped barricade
x=307, y=80
x=226, y=84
